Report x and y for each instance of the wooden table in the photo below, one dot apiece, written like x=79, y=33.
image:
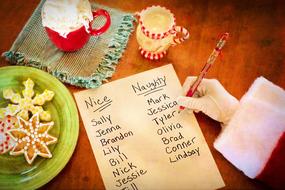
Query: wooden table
x=256, y=47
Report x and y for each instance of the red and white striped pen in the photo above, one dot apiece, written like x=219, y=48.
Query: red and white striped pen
x=216, y=52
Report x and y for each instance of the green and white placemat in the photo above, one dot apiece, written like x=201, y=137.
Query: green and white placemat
x=88, y=67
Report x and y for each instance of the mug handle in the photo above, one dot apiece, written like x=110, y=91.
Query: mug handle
x=100, y=12
x=179, y=40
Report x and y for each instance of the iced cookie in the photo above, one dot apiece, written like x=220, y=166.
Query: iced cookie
x=32, y=138
x=21, y=106
x=6, y=142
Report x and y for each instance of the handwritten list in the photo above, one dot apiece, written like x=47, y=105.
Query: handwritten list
x=141, y=140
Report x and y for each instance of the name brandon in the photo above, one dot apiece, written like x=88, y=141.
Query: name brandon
x=117, y=138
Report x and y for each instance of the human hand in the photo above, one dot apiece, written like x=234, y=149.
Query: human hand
x=211, y=98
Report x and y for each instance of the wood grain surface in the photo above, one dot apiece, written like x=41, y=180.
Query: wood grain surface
x=256, y=48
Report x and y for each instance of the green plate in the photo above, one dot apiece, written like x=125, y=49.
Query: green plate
x=15, y=172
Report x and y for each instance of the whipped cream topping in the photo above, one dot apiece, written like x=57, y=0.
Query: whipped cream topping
x=65, y=16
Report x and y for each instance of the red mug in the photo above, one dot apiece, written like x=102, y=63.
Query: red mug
x=78, y=38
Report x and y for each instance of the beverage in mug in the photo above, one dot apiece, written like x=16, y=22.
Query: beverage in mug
x=157, y=31
x=68, y=23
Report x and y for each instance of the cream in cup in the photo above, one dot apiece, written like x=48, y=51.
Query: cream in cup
x=68, y=22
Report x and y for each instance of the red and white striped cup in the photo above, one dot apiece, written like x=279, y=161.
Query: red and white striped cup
x=157, y=31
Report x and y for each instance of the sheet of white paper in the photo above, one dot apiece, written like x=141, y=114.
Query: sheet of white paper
x=139, y=138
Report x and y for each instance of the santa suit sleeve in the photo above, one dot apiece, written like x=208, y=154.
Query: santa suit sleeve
x=254, y=139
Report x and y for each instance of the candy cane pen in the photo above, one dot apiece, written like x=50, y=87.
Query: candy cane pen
x=216, y=52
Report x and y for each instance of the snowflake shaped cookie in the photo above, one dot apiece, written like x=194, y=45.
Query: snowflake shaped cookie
x=6, y=142
x=32, y=138
x=28, y=103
